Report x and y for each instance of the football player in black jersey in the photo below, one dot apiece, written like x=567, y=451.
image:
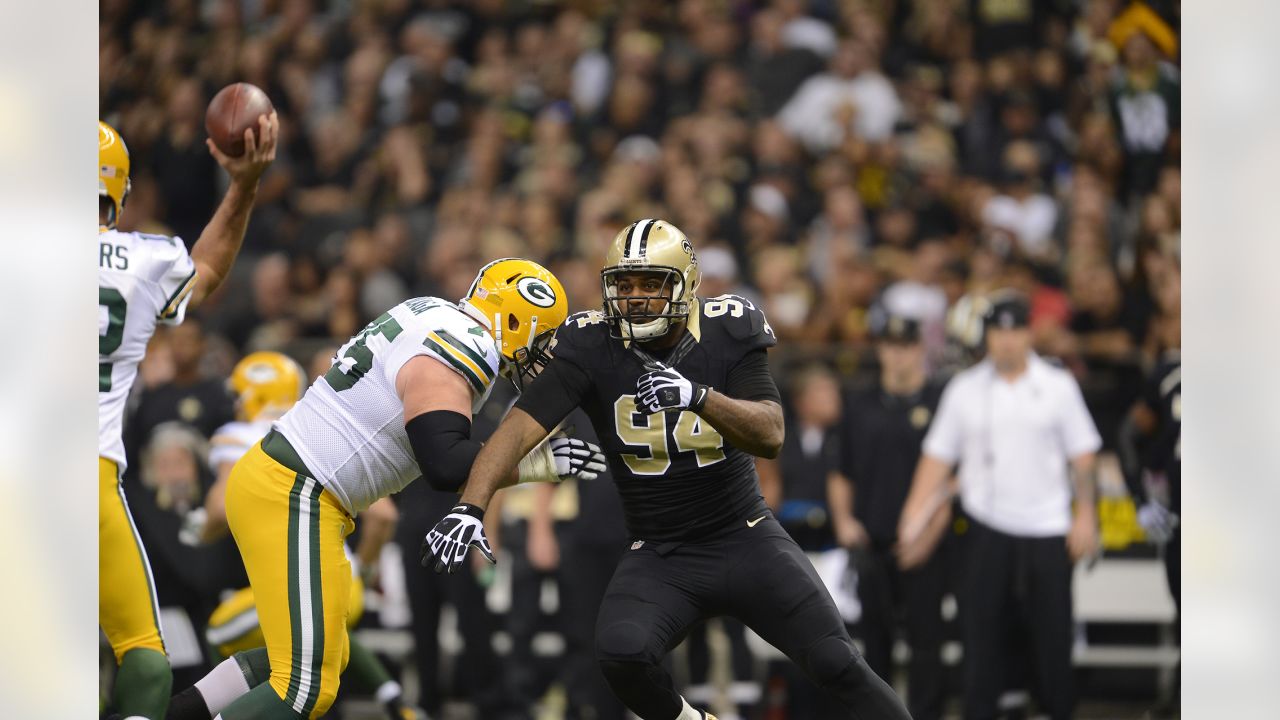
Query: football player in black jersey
x=679, y=391
x=1157, y=419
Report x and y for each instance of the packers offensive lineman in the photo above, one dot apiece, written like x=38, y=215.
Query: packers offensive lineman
x=396, y=403
x=679, y=392
x=266, y=385
x=144, y=280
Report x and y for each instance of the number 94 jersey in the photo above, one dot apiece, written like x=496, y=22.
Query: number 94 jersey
x=679, y=479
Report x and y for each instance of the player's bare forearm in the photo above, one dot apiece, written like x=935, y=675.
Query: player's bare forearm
x=752, y=426
x=495, y=466
x=219, y=244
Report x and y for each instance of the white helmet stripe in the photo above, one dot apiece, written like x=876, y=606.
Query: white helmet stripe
x=639, y=235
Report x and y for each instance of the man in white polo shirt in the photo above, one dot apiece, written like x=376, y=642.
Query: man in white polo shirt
x=1018, y=428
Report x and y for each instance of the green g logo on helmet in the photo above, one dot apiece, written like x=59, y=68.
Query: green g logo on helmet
x=536, y=292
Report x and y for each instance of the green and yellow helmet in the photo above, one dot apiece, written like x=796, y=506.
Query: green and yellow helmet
x=266, y=382
x=650, y=246
x=522, y=304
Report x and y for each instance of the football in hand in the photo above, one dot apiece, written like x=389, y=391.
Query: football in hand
x=234, y=109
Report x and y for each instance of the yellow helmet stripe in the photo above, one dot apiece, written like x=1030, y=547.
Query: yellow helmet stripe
x=459, y=363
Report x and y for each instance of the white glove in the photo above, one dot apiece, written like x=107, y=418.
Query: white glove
x=192, y=531
x=576, y=458
x=667, y=389
x=1157, y=522
x=561, y=457
x=449, y=540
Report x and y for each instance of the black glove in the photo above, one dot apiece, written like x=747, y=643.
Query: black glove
x=449, y=540
x=667, y=389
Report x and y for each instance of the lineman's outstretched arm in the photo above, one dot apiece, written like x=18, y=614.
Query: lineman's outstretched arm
x=517, y=434
x=547, y=401
x=437, y=418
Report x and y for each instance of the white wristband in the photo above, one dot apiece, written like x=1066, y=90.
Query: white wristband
x=539, y=465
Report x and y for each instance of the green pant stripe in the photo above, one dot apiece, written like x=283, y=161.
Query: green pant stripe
x=317, y=602
x=146, y=564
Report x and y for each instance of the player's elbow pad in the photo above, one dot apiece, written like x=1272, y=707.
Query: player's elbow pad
x=441, y=441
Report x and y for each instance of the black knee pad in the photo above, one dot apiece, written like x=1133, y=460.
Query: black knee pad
x=624, y=642
x=831, y=660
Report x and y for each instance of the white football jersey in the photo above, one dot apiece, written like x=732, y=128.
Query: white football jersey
x=142, y=280
x=233, y=440
x=349, y=427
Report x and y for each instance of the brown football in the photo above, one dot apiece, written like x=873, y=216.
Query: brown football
x=235, y=108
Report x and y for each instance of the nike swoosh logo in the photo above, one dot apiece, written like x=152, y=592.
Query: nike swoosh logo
x=753, y=523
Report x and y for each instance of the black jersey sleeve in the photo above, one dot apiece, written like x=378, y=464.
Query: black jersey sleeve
x=555, y=392
x=750, y=379
x=743, y=321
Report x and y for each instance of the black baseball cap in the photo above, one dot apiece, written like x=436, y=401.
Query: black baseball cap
x=897, y=329
x=1009, y=309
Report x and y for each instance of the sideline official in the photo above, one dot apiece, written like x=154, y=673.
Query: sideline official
x=1015, y=424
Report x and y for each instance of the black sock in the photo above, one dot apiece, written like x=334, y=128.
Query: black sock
x=188, y=705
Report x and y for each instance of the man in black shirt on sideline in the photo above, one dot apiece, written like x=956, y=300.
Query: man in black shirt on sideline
x=884, y=427
x=679, y=392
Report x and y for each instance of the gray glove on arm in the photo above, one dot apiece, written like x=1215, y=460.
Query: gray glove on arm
x=1157, y=522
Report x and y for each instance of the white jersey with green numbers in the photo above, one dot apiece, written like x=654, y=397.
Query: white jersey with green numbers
x=142, y=280
x=349, y=427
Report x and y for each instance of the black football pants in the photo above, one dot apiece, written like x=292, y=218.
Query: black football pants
x=755, y=574
x=1024, y=581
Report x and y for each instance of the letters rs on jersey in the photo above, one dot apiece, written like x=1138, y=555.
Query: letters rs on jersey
x=142, y=280
x=675, y=473
x=349, y=427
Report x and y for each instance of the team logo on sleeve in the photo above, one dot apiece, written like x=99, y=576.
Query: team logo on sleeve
x=536, y=292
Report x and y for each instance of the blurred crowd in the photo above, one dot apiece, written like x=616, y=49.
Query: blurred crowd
x=826, y=158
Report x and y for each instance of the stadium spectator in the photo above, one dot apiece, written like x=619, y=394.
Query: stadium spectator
x=879, y=445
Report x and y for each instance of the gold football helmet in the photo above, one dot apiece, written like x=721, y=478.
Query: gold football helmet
x=650, y=246
x=522, y=304
x=113, y=170
x=266, y=382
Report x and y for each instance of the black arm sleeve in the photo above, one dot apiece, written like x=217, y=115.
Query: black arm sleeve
x=441, y=441
x=1129, y=450
x=750, y=379
x=557, y=390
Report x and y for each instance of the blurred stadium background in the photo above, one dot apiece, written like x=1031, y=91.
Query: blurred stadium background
x=826, y=157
